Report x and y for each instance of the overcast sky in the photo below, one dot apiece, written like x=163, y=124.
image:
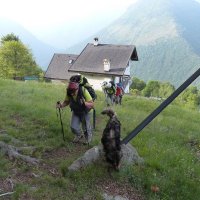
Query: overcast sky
x=40, y=14
x=80, y=17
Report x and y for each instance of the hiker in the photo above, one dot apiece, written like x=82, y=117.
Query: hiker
x=103, y=86
x=110, y=90
x=80, y=104
x=119, y=94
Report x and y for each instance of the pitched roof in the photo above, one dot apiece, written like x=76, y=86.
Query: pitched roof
x=59, y=65
x=91, y=59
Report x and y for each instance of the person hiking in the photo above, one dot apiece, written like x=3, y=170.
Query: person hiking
x=80, y=102
x=103, y=86
x=110, y=90
x=119, y=94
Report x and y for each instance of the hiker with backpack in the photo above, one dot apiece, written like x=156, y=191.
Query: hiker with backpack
x=80, y=101
x=110, y=91
x=103, y=86
x=119, y=93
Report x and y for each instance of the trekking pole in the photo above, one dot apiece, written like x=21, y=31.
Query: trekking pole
x=62, y=129
x=86, y=132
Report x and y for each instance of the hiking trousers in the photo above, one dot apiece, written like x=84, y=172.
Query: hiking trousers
x=109, y=99
x=118, y=99
x=78, y=122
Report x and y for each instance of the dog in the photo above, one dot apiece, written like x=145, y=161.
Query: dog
x=111, y=140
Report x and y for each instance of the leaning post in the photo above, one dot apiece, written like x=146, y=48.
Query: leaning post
x=161, y=107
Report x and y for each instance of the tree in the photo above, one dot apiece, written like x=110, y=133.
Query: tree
x=137, y=84
x=9, y=37
x=151, y=89
x=166, y=89
x=16, y=59
x=158, y=89
x=190, y=97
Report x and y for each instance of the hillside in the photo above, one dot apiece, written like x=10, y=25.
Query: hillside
x=166, y=35
x=170, y=144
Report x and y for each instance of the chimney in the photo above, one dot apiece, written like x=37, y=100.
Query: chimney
x=106, y=64
x=96, y=41
x=70, y=61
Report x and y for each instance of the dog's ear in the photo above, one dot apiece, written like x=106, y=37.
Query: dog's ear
x=104, y=112
x=109, y=112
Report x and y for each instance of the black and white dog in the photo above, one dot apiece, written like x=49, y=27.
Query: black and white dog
x=111, y=139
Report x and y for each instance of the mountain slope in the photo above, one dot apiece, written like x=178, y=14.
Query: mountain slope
x=174, y=54
x=166, y=35
x=42, y=52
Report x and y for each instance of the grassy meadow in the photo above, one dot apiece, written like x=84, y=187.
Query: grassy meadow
x=170, y=146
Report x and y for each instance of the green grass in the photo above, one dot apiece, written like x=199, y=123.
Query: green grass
x=170, y=146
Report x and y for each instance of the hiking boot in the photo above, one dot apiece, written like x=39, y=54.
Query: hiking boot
x=77, y=138
x=88, y=139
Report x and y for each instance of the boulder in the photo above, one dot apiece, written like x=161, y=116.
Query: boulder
x=129, y=157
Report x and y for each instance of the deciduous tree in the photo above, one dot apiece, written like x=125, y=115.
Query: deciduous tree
x=9, y=37
x=137, y=84
x=16, y=59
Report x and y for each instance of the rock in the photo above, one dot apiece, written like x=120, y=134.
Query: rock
x=130, y=156
x=90, y=156
x=110, y=197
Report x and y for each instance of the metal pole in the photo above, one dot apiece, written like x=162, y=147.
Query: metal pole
x=161, y=107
